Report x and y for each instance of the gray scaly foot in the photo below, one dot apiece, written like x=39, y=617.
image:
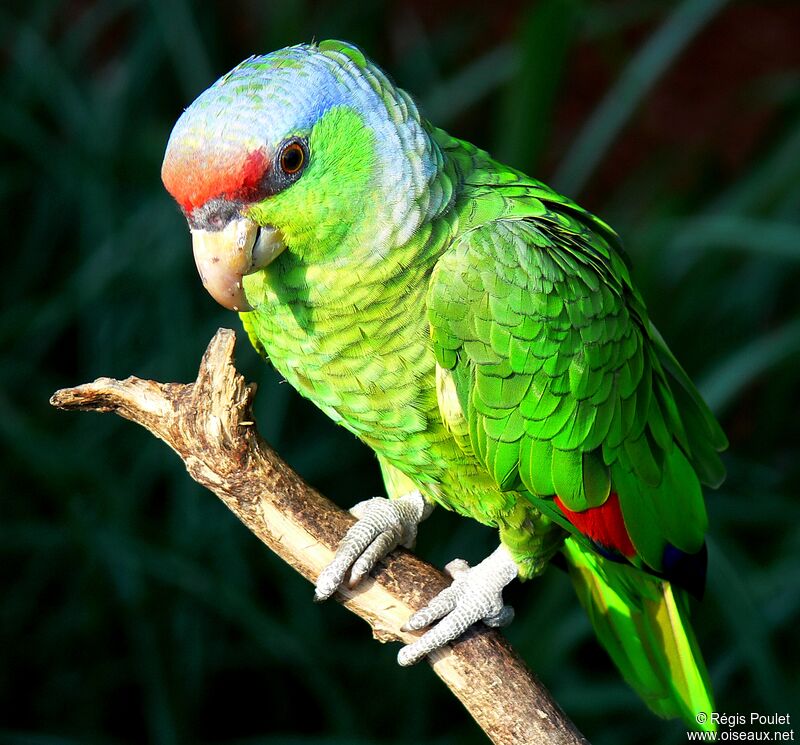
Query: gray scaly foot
x=475, y=595
x=383, y=524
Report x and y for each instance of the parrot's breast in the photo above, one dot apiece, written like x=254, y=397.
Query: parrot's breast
x=361, y=351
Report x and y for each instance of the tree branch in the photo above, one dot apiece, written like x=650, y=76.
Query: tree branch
x=209, y=424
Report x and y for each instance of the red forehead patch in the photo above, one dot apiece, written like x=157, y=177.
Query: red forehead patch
x=195, y=176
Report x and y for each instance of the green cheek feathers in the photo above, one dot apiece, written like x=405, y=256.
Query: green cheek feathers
x=317, y=213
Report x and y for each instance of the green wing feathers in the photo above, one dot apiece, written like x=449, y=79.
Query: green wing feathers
x=566, y=387
x=643, y=624
x=704, y=436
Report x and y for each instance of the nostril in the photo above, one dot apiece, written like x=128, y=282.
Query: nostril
x=214, y=215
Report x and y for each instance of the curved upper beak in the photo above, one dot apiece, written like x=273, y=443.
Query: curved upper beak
x=224, y=256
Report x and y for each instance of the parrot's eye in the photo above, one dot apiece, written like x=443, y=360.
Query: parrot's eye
x=292, y=157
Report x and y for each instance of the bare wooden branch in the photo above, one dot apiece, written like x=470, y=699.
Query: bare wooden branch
x=209, y=424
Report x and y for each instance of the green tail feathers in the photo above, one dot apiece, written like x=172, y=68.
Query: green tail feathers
x=643, y=623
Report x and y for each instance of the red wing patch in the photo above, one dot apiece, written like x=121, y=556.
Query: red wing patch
x=603, y=524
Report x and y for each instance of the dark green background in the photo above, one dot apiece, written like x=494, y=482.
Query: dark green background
x=134, y=607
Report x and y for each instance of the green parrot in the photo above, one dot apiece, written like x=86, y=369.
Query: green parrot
x=479, y=331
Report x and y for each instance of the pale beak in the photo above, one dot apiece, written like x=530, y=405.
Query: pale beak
x=223, y=257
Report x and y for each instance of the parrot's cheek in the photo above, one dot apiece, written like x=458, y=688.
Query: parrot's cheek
x=224, y=256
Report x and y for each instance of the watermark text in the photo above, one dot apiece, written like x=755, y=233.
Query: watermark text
x=740, y=727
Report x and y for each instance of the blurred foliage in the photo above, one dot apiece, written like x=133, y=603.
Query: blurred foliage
x=135, y=608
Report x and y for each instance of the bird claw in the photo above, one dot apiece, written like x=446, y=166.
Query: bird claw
x=383, y=524
x=475, y=595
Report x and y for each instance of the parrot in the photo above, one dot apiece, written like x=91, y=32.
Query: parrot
x=479, y=331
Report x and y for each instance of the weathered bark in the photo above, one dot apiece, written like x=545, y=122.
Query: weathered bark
x=209, y=424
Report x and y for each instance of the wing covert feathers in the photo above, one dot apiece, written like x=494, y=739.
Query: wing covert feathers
x=565, y=387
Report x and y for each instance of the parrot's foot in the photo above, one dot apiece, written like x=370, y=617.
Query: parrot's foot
x=475, y=595
x=383, y=524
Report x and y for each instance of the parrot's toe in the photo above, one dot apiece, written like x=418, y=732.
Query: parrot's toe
x=475, y=595
x=383, y=524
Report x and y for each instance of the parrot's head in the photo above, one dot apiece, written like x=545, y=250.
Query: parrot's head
x=310, y=151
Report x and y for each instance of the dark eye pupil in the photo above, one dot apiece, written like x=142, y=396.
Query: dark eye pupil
x=292, y=158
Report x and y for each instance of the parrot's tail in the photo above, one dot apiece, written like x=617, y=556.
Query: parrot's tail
x=643, y=623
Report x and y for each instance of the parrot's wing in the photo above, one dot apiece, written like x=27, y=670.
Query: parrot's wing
x=564, y=387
